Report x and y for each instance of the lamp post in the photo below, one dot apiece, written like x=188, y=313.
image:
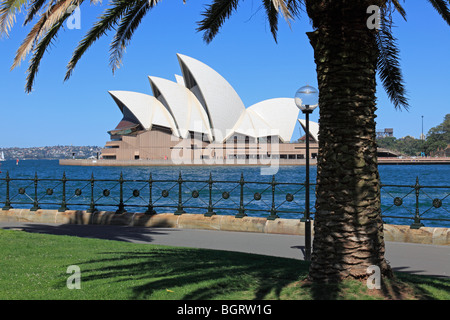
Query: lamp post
x=422, y=137
x=307, y=99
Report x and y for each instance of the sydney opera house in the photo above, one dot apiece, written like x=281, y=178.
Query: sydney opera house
x=200, y=117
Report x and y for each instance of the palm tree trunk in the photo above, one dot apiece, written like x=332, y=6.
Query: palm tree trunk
x=348, y=230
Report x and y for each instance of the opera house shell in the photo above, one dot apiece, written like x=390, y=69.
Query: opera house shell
x=200, y=116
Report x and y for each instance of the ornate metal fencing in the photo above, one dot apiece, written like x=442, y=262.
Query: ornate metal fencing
x=271, y=199
x=416, y=202
x=152, y=195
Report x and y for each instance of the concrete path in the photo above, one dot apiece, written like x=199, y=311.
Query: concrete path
x=406, y=257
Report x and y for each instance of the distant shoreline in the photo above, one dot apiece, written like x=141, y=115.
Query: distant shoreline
x=51, y=152
x=223, y=162
x=282, y=162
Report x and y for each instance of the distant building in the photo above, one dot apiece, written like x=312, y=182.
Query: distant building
x=200, y=116
x=388, y=132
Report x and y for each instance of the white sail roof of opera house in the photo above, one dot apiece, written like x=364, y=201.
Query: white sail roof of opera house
x=146, y=109
x=220, y=100
x=280, y=113
x=201, y=100
x=187, y=111
x=252, y=125
x=179, y=79
x=273, y=117
x=313, y=128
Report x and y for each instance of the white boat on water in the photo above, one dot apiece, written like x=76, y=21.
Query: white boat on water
x=2, y=156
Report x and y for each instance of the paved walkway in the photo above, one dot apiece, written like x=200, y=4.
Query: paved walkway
x=406, y=257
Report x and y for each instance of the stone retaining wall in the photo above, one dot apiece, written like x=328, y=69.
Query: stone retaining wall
x=397, y=233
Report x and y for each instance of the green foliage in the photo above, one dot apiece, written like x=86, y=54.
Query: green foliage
x=438, y=138
x=34, y=267
x=388, y=64
x=124, y=16
x=408, y=145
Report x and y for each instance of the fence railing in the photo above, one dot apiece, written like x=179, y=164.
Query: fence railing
x=416, y=202
x=271, y=199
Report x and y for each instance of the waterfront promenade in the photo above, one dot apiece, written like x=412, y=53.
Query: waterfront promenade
x=421, y=259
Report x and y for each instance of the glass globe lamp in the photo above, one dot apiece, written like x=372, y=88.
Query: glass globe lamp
x=307, y=98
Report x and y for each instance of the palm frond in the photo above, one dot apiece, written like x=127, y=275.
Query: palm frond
x=294, y=7
x=282, y=6
x=48, y=19
x=388, y=66
x=39, y=50
x=8, y=11
x=33, y=9
x=442, y=7
x=288, y=8
x=105, y=22
x=272, y=17
x=220, y=10
x=128, y=25
x=214, y=17
x=399, y=8
x=28, y=43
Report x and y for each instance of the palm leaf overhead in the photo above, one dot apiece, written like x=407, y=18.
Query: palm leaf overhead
x=105, y=22
x=388, y=66
x=215, y=16
x=289, y=9
x=48, y=20
x=442, y=7
x=33, y=10
x=272, y=17
x=398, y=7
x=8, y=12
x=283, y=7
x=126, y=15
x=41, y=36
x=127, y=26
x=39, y=51
x=219, y=11
x=35, y=5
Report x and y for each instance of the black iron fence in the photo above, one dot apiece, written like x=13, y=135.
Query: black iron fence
x=420, y=203
x=271, y=199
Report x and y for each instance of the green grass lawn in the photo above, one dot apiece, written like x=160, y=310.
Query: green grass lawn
x=34, y=266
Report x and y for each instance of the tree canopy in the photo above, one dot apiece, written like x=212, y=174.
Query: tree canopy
x=124, y=17
x=437, y=138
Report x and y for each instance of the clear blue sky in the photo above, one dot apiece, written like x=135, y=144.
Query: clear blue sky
x=80, y=111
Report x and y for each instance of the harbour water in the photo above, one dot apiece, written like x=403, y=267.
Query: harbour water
x=398, y=192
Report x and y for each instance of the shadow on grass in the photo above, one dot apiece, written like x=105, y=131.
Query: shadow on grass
x=422, y=287
x=150, y=272
x=197, y=274
x=401, y=286
x=105, y=232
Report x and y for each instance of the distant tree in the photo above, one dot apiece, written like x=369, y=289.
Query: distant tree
x=389, y=143
x=439, y=137
x=410, y=146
